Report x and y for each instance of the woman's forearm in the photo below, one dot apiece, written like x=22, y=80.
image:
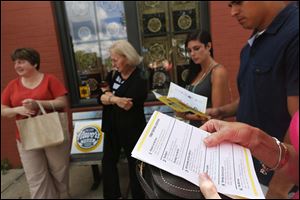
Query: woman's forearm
x=8, y=111
x=267, y=151
x=58, y=103
x=264, y=148
x=108, y=98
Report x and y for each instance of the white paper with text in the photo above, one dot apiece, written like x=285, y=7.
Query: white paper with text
x=178, y=148
x=191, y=99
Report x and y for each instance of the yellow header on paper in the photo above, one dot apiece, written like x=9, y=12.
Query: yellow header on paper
x=151, y=122
x=178, y=106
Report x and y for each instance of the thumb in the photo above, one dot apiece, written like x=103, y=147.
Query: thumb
x=207, y=187
x=216, y=138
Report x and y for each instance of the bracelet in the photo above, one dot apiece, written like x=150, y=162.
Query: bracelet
x=282, y=159
x=285, y=157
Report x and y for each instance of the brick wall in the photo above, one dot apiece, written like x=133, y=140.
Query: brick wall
x=228, y=39
x=25, y=24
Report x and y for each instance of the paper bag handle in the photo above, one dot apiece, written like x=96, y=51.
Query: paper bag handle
x=41, y=107
x=51, y=103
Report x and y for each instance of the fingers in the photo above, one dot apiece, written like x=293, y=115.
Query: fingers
x=213, y=113
x=128, y=105
x=207, y=187
x=219, y=132
x=210, y=126
x=29, y=104
x=180, y=114
x=24, y=111
x=29, y=113
x=125, y=103
x=26, y=102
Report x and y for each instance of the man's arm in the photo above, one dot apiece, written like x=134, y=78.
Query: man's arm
x=228, y=110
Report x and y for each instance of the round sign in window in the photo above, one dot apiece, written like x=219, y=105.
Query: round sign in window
x=113, y=28
x=89, y=138
x=84, y=33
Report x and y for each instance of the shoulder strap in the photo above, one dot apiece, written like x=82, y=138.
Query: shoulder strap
x=216, y=65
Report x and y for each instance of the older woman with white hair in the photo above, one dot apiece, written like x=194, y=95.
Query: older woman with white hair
x=123, y=117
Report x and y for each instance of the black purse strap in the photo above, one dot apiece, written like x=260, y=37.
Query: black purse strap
x=147, y=189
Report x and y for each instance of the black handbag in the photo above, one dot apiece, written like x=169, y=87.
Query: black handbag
x=159, y=184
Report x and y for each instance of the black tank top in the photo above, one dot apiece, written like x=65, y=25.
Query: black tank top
x=202, y=88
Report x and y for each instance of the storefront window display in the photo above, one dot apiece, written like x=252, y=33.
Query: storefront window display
x=94, y=26
x=157, y=30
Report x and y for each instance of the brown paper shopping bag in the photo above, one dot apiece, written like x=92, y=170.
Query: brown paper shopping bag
x=47, y=129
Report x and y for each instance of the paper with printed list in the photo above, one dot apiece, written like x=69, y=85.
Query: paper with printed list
x=177, y=147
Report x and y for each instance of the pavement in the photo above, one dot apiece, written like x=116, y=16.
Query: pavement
x=14, y=184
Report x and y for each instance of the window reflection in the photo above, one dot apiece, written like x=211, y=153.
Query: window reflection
x=94, y=26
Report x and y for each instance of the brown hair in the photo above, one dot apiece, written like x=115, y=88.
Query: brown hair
x=29, y=54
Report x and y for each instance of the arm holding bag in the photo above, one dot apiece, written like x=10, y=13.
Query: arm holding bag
x=47, y=129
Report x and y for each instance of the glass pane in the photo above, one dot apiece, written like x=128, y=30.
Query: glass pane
x=94, y=26
x=163, y=29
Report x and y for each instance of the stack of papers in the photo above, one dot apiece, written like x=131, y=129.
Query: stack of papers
x=178, y=148
x=182, y=100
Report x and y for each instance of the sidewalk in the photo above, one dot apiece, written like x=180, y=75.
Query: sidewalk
x=14, y=185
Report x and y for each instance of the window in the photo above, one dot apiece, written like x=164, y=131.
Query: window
x=156, y=29
x=93, y=26
x=163, y=28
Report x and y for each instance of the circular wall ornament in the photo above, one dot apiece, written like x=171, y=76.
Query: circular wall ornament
x=184, y=22
x=159, y=78
x=157, y=52
x=109, y=5
x=154, y=25
x=80, y=8
x=113, y=28
x=84, y=33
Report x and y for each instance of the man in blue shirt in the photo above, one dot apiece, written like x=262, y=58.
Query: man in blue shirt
x=268, y=78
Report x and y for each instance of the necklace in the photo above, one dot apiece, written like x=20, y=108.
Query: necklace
x=31, y=84
x=204, y=74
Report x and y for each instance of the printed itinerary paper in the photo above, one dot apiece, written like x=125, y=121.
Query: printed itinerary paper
x=182, y=100
x=178, y=148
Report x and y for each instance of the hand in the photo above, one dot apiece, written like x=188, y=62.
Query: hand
x=125, y=103
x=235, y=132
x=180, y=114
x=21, y=110
x=203, y=119
x=207, y=187
x=213, y=113
x=30, y=104
x=105, y=89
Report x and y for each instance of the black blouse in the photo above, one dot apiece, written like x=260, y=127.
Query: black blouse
x=116, y=120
